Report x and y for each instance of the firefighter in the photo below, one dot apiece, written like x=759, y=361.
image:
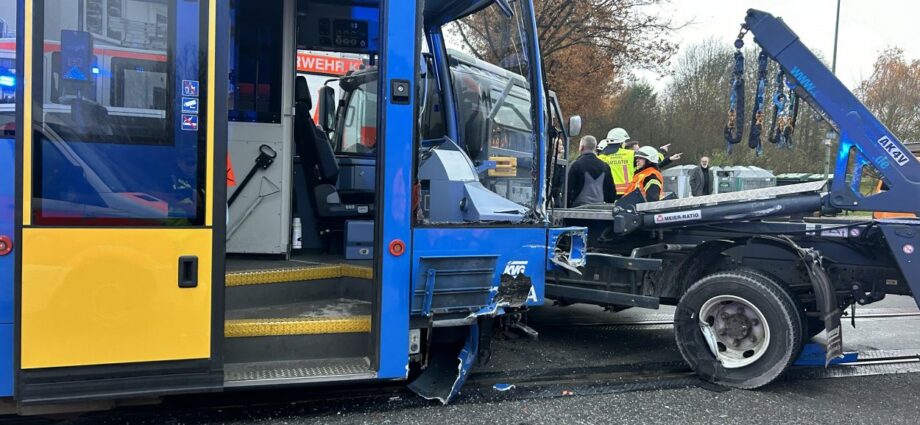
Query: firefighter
x=648, y=181
x=620, y=160
x=664, y=159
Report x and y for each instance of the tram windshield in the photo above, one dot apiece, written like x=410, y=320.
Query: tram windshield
x=490, y=73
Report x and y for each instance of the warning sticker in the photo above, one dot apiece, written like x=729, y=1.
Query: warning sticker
x=190, y=122
x=189, y=105
x=190, y=88
x=675, y=217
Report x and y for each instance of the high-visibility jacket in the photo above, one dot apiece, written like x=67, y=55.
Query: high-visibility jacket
x=638, y=182
x=622, y=167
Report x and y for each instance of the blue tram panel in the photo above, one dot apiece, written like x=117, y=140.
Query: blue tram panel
x=7, y=215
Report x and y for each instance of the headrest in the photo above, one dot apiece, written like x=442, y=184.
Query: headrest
x=302, y=92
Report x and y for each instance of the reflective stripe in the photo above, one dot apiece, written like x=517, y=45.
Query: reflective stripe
x=652, y=183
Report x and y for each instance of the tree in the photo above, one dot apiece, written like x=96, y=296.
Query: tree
x=892, y=93
x=588, y=46
x=691, y=113
x=637, y=108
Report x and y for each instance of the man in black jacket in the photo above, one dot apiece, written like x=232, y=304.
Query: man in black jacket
x=701, y=179
x=590, y=181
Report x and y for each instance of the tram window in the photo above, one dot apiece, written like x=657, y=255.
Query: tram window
x=359, y=134
x=117, y=139
x=255, y=61
x=8, y=79
x=7, y=69
x=432, y=120
x=493, y=98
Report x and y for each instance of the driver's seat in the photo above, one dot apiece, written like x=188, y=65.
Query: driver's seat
x=318, y=161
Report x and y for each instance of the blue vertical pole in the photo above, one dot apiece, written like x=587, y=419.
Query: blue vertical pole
x=399, y=56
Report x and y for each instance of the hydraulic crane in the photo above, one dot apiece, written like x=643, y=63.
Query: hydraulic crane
x=756, y=274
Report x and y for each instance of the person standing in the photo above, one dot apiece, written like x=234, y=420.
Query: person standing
x=648, y=180
x=589, y=177
x=701, y=179
x=620, y=159
x=664, y=159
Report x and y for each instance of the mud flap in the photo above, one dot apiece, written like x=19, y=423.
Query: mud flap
x=827, y=303
x=449, y=365
x=825, y=298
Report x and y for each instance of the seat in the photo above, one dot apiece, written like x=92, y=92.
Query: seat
x=320, y=167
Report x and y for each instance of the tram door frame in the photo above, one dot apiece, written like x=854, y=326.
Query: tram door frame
x=63, y=376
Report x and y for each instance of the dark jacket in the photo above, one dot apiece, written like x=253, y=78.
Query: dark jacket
x=699, y=184
x=590, y=181
x=665, y=158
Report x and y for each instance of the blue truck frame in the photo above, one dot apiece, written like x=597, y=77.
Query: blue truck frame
x=655, y=253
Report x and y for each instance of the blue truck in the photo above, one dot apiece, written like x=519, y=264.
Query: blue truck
x=754, y=275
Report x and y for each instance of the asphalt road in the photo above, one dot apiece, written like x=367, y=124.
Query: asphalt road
x=597, y=341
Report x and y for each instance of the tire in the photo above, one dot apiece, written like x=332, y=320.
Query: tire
x=800, y=310
x=752, y=322
x=811, y=326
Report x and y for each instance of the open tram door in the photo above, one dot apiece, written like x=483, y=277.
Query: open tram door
x=121, y=244
x=318, y=312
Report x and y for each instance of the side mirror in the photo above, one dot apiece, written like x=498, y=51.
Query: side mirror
x=326, y=107
x=574, y=125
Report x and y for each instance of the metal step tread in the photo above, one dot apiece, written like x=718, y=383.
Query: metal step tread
x=299, y=319
x=297, y=371
x=296, y=274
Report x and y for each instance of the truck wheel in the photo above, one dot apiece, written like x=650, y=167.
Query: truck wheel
x=767, y=278
x=738, y=329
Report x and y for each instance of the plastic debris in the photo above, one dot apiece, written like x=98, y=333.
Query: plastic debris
x=503, y=387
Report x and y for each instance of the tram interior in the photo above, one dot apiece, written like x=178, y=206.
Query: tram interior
x=300, y=229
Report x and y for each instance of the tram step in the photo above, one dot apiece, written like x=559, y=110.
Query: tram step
x=299, y=371
x=296, y=274
x=332, y=328
x=259, y=288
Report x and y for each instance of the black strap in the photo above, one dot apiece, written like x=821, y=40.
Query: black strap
x=734, y=126
x=757, y=117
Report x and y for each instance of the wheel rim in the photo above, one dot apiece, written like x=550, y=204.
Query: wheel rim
x=735, y=330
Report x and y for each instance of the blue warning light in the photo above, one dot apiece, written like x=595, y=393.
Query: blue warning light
x=95, y=70
x=7, y=81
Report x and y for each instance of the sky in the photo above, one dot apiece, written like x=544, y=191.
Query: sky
x=866, y=28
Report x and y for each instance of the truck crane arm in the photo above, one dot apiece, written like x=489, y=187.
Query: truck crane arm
x=865, y=143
